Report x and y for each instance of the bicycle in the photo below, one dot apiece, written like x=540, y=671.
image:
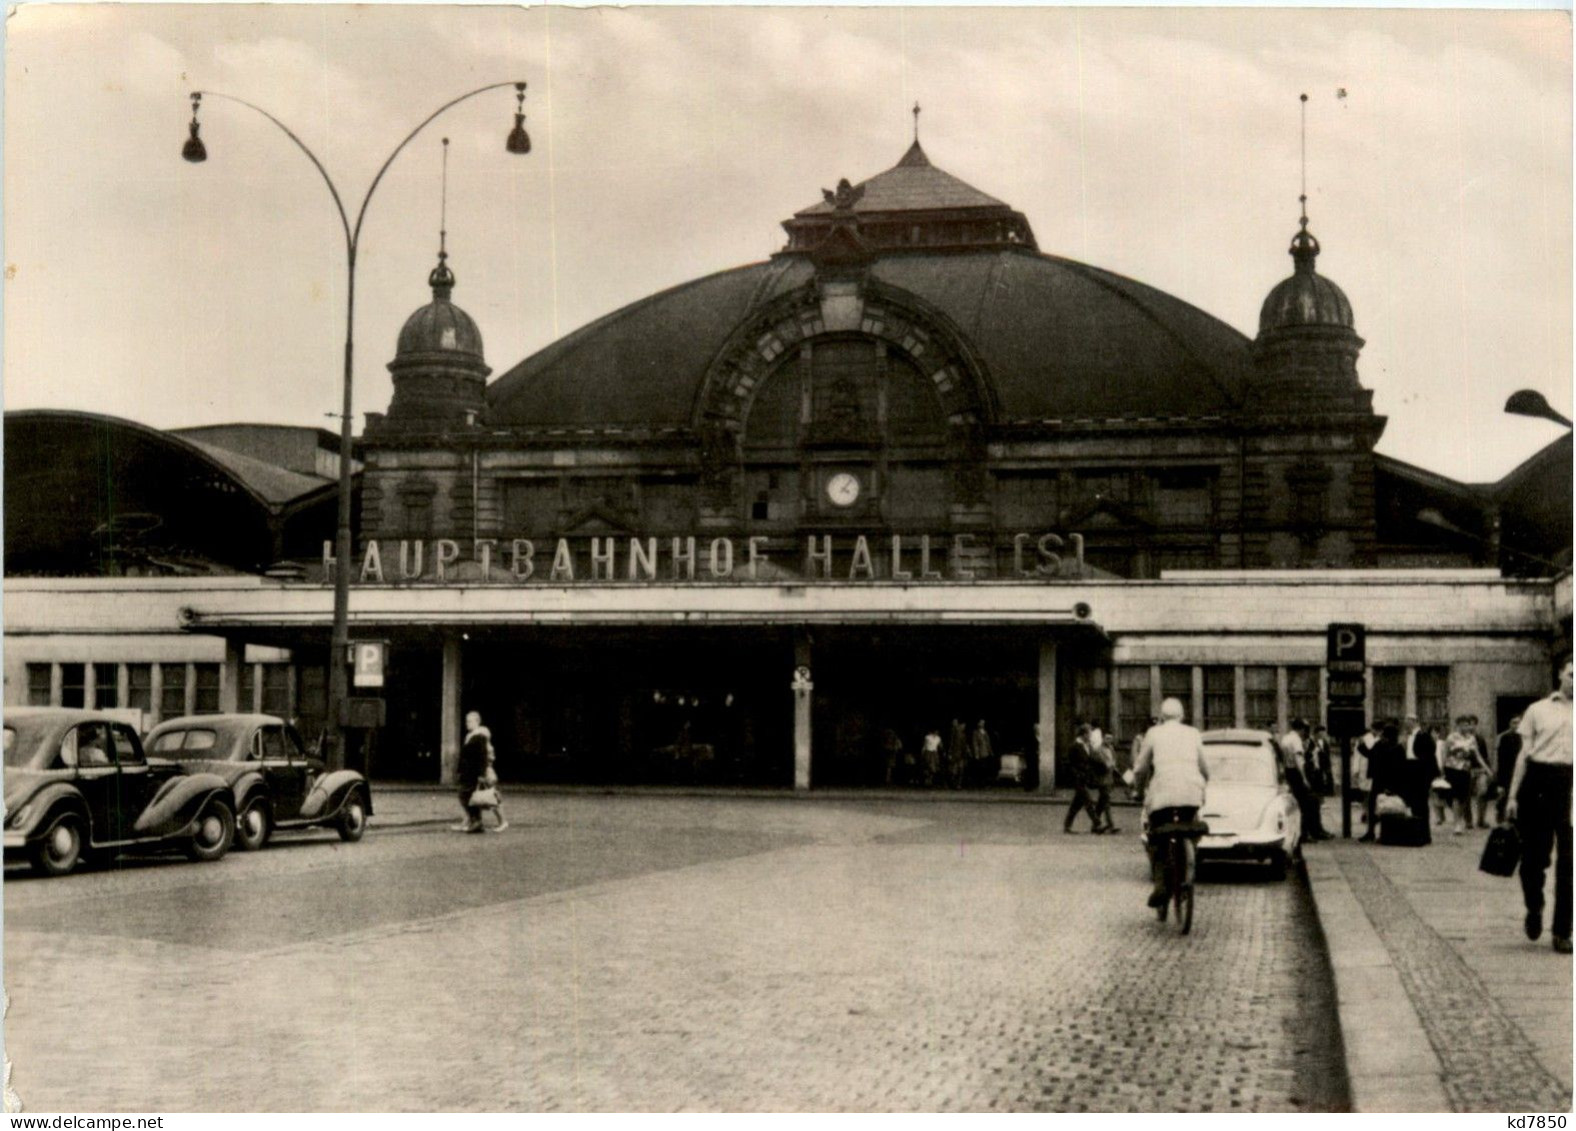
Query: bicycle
x=1179, y=841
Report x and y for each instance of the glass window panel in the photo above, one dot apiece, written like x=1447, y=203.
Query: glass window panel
x=246, y=688
x=913, y=409
x=1302, y=694
x=172, y=697
x=1433, y=697
x=139, y=686
x=773, y=420
x=206, y=701
x=1092, y=696
x=73, y=685
x=276, y=690
x=1133, y=701
x=1220, y=697
x=1389, y=694
x=1258, y=685
x=106, y=686
x=38, y=684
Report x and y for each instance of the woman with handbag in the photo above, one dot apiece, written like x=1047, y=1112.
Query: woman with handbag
x=476, y=792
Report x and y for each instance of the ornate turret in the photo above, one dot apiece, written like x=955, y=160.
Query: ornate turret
x=1306, y=346
x=440, y=378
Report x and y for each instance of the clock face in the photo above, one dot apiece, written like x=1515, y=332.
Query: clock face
x=842, y=489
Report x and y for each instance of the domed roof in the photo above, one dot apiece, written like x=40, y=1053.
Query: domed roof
x=1058, y=340
x=1306, y=298
x=440, y=326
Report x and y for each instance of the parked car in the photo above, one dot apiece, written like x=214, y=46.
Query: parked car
x=277, y=784
x=78, y=783
x=1248, y=806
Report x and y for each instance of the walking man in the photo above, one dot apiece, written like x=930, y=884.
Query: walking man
x=1540, y=806
x=1082, y=766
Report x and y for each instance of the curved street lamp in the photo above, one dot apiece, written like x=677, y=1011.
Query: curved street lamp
x=1530, y=402
x=195, y=151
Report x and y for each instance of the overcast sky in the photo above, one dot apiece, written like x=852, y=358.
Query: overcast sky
x=669, y=143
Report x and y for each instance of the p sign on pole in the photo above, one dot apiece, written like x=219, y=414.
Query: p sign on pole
x=1346, y=661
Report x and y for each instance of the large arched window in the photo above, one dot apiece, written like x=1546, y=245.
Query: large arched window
x=838, y=390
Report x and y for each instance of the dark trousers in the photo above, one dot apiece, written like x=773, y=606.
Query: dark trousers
x=1101, y=810
x=1081, y=802
x=1312, y=820
x=1543, y=818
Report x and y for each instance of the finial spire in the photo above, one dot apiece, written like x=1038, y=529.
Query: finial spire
x=1304, y=248
x=916, y=123
x=442, y=279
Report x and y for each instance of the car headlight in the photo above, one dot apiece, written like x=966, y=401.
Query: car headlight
x=19, y=818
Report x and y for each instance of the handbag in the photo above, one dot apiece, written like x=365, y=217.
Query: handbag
x=1501, y=852
x=1389, y=805
x=484, y=798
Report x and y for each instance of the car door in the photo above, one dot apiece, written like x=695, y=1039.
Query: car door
x=138, y=783
x=283, y=768
x=91, y=748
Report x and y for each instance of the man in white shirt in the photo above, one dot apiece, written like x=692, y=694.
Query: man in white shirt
x=1540, y=807
x=1171, y=771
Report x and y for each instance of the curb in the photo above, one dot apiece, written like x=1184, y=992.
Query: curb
x=1390, y=1064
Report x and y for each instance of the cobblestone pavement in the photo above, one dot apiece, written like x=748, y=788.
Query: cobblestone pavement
x=612, y=953
x=1480, y=990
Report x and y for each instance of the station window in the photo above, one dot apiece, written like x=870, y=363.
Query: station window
x=1184, y=497
x=1433, y=697
x=38, y=684
x=1176, y=682
x=1092, y=696
x=172, y=693
x=139, y=686
x=1220, y=697
x=1302, y=694
x=276, y=690
x=1389, y=694
x=246, y=696
x=1258, y=684
x=1134, y=706
x=206, y=701
x=73, y=685
x=106, y=686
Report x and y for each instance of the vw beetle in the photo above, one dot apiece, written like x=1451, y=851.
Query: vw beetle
x=78, y=783
x=1247, y=804
x=277, y=785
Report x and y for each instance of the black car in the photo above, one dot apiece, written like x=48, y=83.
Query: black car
x=77, y=783
x=276, y=783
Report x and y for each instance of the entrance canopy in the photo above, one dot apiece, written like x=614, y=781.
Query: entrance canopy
x=459, y=606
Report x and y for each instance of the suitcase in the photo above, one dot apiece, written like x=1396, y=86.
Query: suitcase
x=1407, y=831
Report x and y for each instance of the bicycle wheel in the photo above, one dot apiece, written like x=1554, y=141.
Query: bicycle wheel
x=1184, y=888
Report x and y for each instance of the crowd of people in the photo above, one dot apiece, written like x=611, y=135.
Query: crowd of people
x=964, y=758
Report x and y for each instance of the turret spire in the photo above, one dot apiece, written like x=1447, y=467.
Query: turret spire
x=1304, y=248
x=442, y=279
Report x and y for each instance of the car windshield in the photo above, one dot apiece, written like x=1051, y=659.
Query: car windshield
x=185, y=741
x=1240, y=764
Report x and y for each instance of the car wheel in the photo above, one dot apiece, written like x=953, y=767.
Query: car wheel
x=215, y=830
x=254, y=826
x=1278, y=864
x=352, y=822
x=58, y=852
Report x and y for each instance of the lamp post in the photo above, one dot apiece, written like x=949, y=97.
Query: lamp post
x=195, y=151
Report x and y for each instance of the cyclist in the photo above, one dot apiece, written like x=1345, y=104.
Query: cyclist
x=1171, y=772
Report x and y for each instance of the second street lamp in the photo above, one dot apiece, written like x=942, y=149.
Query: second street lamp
x=195, y=151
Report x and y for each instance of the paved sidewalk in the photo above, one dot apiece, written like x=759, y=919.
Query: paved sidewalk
x=1444, y=1004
